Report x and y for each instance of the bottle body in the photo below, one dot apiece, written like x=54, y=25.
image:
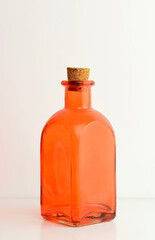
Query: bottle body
x=78, y=179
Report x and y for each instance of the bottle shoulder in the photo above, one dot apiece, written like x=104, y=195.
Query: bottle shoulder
x=101, y=118
x=73, y=119
x=53, y=119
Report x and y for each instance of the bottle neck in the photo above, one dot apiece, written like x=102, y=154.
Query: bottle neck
x=78, y=94
x=78, y=98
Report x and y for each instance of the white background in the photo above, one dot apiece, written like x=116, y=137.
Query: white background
x=38, y=40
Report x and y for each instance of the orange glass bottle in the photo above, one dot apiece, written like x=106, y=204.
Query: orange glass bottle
x=78, y=179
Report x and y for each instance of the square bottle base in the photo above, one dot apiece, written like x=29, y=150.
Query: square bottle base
x=93, y=217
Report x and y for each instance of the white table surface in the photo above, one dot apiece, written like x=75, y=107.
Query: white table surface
x=20, y=219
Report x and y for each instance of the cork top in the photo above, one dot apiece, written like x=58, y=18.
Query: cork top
x=78, y=74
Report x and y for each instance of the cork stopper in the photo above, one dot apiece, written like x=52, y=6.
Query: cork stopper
x=78, y=74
